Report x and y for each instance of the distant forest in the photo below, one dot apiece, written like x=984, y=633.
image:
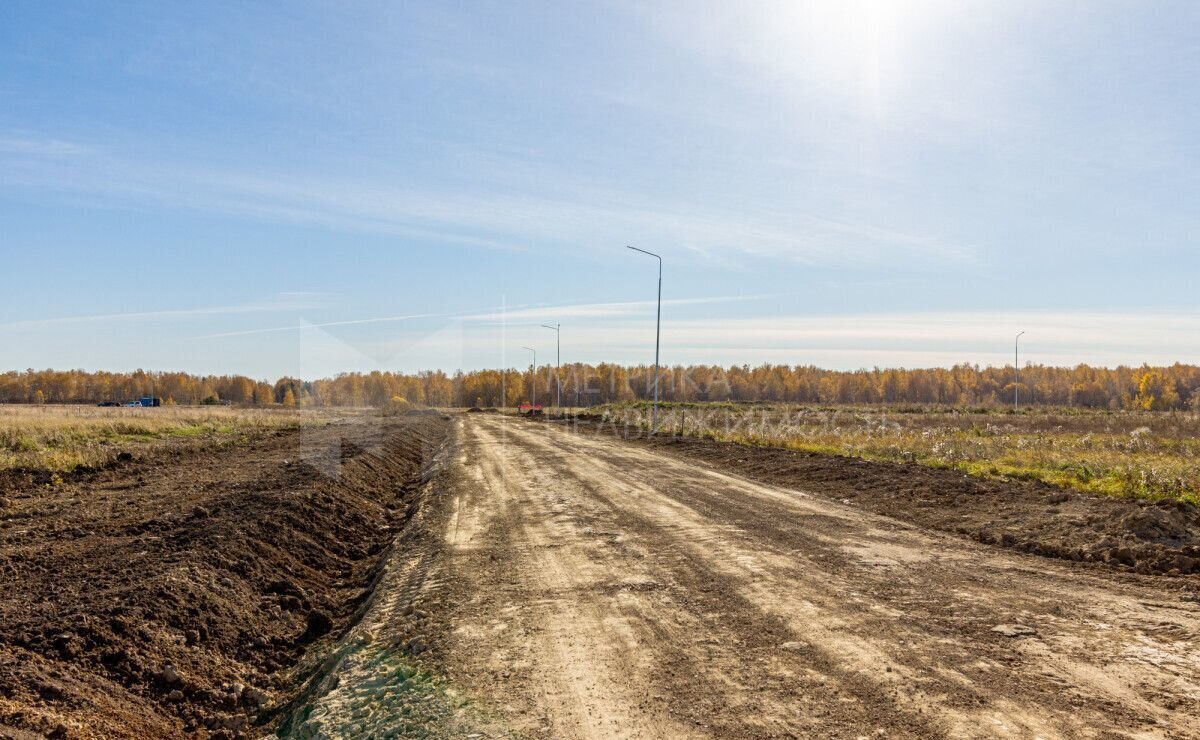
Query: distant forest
x=1149, y=388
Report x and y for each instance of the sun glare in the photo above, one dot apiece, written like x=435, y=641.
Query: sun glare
x=854, y=49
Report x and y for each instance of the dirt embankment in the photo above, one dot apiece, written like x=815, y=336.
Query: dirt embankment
x=1146, y=537
x=192, y=592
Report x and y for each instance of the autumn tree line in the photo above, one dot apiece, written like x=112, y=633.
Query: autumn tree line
x=1151, y=388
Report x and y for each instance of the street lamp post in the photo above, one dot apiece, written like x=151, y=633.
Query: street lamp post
x=1017, y=367
x=534, y=351
x=557, y=362
x=657, y=335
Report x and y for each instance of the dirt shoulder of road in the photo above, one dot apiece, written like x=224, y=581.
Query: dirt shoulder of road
x=1125, y=534
x=194, y=591
x=386, y=676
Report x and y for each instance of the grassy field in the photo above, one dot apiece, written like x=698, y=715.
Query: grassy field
x=61, y=438
x=1141, y=454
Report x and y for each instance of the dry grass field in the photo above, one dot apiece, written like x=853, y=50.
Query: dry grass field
x=63, y=438
x=1147, y=455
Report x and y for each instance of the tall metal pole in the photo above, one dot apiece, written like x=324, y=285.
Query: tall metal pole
x=557, y=361
x=504, y=354
x=534, y=373
x=657, y=335
x=1017, y=367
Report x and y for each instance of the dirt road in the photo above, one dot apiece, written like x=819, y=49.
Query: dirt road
x=595, y=589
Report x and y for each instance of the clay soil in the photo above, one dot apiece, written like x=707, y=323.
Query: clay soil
x=191, y=592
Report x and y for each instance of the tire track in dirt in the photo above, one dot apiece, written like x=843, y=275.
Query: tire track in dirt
x=1006, y=588
x=696, y=632
x=616, y=591
x=1085, y=673
x=526, y=638
x=858, y=683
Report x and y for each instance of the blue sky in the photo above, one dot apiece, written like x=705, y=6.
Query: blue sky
x=308, y=188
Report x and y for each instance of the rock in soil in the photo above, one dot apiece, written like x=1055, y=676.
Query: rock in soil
x=1014, y=630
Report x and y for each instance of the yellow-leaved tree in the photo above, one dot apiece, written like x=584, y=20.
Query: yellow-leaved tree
x=1156, y=392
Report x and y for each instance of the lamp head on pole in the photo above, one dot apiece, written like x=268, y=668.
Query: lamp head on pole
x=644, y=251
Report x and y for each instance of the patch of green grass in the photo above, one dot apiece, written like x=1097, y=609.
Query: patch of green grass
x=383, y=692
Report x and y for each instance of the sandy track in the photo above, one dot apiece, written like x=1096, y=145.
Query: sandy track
x=601, y=590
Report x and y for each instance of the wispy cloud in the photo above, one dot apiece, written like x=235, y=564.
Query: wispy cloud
x=517, y=314
x=933, y=339
x=921, y=339
x=597, y=310
x=550, y=215
x=286, y=302
x=321, y=325
x=39, y=146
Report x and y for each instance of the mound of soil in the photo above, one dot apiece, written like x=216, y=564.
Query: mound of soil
x=186, y=593
x=1147, y=537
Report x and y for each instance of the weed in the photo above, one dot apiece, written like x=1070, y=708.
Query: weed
x=62, y=438
x=1140, y=454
